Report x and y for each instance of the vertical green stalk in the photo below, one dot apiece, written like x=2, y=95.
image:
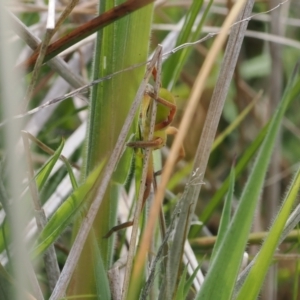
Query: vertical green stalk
x=118, y=46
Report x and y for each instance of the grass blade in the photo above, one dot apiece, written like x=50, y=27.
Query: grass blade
x=45, y=171
x=255, y=278
x=226, y=214
x=232, y=247
x=63, y=216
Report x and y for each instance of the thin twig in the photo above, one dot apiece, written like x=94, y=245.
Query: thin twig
x=213, y=30
x=255, y=238
x=51, y=29
x=43, y=49
x=66, y=12
x=37, y=68
x=57, y=63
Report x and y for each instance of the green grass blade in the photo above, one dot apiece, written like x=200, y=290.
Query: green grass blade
x=226, y=214
x=118, y=46
x=116, y=49
x=219, y=284
x=240, y=167
x=179, y=294
x=102, y=286
x=170, y=73
x=45, y=171
x=255, y=278
x=63, y=216
x=71, y=175
x=189, y=283
x=221, y=137
x=175, y=63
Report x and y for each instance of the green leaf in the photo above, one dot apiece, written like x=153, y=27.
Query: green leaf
x=102, y=284
x=63, y=216
x=240, y=167
x=174, y=65
x=180, y=289
x=255, y=278
x=226, y=215
x=71, y=174
x=221, y=277
x=236, y=122
x=46, y=169
x=118, y=46
x=189, y=283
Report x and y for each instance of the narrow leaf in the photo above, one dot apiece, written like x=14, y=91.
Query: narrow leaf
x=180, y=291
x=219, y=284
x=71, y=174
x=189, y=283
x=174, y=65
x=255, y=278
x=225, y=219
x=45, y=171
x=63, y=216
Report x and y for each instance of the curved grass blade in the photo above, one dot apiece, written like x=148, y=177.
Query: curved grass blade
x=180, y=291
x=189, y=283
x=287, y=235
x=71, y=174
x=174, y=65
x=46, y=169
x=255, y=278
x=63, y=216
x=238, y=120
x=102, y=286
x=48, y=150
x=240, y=167
x=226, y=214
x=219, y=284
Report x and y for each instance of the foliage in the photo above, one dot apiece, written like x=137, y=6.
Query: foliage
x=56, y=209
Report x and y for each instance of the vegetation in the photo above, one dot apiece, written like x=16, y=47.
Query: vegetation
x=97, y=202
